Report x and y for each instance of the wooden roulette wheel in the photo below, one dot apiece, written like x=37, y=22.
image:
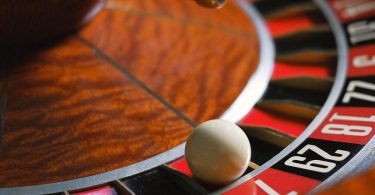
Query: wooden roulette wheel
x=107, y=109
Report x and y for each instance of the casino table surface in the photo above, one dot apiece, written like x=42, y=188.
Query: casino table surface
x=107, y=109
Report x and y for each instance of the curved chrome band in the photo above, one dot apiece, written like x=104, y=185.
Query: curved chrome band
x=328, y=105
x=258, y=82
x=368, y=148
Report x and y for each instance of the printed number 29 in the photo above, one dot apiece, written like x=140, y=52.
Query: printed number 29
x=321, y=166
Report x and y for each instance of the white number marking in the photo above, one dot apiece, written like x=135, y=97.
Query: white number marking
x=352, y=118
x=324, y=154
x=363, y=61
x=356, y=95
x=341, y=129
x=266, y=188
x=313, y=165
x=316, y=165
x=352, y=130
x=361, y=31
x=358, y=9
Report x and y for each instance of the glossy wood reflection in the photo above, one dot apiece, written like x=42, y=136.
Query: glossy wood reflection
x=197, y=59
x=70, y=114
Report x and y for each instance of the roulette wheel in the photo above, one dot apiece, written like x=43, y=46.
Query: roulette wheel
x=107, y=109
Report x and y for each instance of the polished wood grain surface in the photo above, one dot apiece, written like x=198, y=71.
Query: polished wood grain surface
x=197, y=65
x=127, y=87
x=70, y=114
